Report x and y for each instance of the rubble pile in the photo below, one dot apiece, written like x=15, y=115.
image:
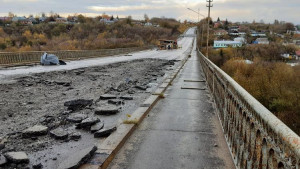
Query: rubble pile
x=49, y=118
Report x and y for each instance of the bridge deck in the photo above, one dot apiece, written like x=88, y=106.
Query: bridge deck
x=181, y=131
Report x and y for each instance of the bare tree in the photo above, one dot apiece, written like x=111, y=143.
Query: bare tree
x=146, y=18
x=10, y=14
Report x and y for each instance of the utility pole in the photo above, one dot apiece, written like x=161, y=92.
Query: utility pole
x=209, y=6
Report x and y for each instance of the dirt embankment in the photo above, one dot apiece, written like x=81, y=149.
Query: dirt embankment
x=42, y=99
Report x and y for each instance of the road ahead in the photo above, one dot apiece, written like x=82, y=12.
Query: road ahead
x=181, y=132
x=185, y=42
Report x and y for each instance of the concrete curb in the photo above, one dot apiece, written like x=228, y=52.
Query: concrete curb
x=112, y=144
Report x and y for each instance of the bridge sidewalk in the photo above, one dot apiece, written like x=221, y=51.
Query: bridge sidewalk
x=181, y=131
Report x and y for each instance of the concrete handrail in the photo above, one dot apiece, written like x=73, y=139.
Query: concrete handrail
x=257, y=138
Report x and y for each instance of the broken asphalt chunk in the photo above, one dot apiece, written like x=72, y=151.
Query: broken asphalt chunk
x=74, y=160
x=37, y=166
x=76, y=118
x=141, y=87
x=59, y=134
x=75, y=136
x=107, y=111
x=78, y=104
x=115, y=101
x=2, y=146
x=107, y=97
x=79, y=72
x=2, y=160
x=97, y=127
x=17, y=157
x=37, y=130
x=88, y=122
x=104, y=132
x=127, y=97
x=63, y=83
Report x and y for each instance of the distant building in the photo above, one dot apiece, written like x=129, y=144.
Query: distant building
x=108, y=21
x=136, y=22
x=33, y=20
x=286, y=56
x=233, y=33
x=226, y=44
x=218, y=24
x=17, y=18
x=61, y=20
x=42, y=19
x=296, y=42
x=22, y=20
x=261, y=41
x=73, y=19
x=279, y=35
x=240, y=39
x=148, y=24
x=258, y=34
x=6, y=19
x=234, y=28
x=220, y=32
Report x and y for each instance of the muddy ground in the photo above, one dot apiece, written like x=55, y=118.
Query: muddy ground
x=39, y=99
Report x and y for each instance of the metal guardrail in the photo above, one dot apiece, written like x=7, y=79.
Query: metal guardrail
x=256, y=137
x=12, y=58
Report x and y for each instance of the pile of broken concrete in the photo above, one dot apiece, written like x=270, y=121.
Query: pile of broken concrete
x=82, y=121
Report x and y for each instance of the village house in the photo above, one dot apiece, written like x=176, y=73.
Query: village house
x=226, y=44
x=42, y=19
x=61, y=20
x=261, y=41
x=137, y=22
x=234, y=31
x=108, y=21
x=258, y=34
x=6, y=19
x=286, y=56
x=240, y=39
x=148, y=24
x=296, y=42
x=22, y=20
x=220, y=32
x=33, y=20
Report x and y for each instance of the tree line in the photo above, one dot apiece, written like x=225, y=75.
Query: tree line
x=86, y=35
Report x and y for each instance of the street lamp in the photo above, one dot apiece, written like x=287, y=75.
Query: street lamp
x=198, y=21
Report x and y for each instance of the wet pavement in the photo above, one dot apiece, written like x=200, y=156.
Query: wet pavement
x=181, y=131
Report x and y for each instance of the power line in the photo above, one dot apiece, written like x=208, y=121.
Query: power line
x=210, y=5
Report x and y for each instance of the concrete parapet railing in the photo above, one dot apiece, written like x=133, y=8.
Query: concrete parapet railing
x=12, y=58
x=256, y=138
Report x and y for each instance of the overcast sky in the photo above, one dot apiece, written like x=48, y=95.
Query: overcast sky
x=233, y=10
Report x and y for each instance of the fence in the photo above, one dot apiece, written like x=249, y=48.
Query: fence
x=11, y=58
x=256, y=137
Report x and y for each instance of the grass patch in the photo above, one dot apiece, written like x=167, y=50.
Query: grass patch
x=162, y=95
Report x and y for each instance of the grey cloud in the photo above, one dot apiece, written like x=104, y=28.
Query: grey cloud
x=236, y=10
